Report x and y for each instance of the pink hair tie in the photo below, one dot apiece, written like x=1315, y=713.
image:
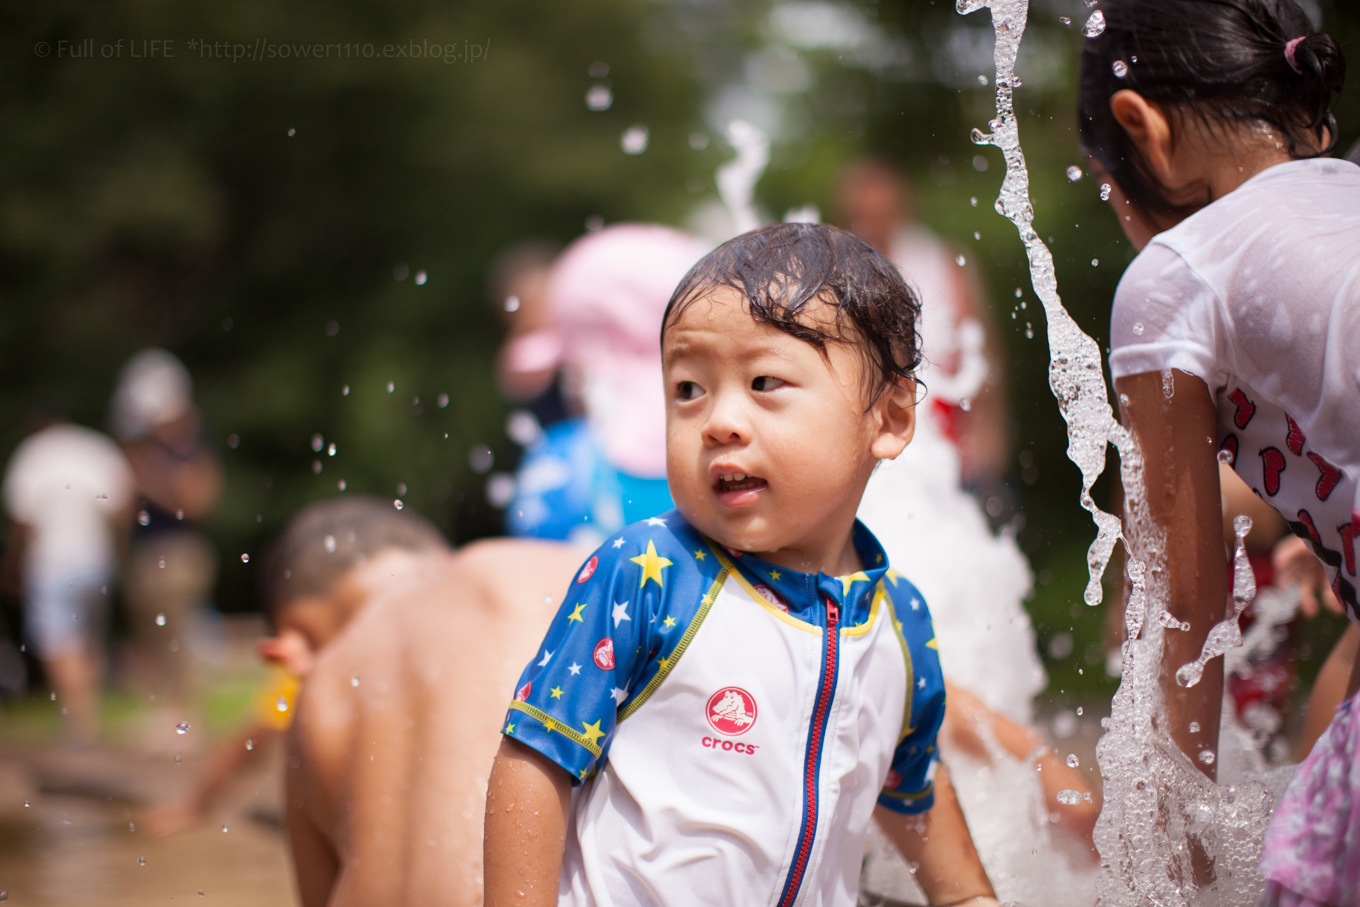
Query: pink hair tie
x=1289, y=53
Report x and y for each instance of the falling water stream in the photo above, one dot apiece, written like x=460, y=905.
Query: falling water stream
x=1167, y=835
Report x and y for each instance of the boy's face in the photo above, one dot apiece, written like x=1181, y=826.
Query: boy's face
x=768, y=444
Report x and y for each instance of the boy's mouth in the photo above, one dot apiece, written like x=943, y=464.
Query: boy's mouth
x=737, y=488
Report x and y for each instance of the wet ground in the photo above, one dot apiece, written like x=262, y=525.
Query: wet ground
x=74, y=824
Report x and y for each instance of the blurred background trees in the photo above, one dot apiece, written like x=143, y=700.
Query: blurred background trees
x=312, y=236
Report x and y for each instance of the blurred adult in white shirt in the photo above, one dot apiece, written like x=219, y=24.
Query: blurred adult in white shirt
x=69, y=494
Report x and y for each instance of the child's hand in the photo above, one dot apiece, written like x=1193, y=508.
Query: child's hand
x=1295, y=563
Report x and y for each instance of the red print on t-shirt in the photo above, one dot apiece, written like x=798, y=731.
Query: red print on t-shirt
x=1329, y=478
x=1295, y=437
x=1348, y=532
x=1245, y=408
x=1272, y=462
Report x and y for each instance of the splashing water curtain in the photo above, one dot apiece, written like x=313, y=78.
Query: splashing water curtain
x=1167, y=835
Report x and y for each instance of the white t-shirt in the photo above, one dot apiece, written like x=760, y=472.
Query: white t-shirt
x=1258, y=293
x=67, y=483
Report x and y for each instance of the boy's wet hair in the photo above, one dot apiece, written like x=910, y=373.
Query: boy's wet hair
x=324, y=540
x=782, y=268
x=1222, y=60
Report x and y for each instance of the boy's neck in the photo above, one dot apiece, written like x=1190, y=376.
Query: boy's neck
x=834, y=557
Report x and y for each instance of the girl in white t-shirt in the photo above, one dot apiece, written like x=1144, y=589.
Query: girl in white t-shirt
x=1236, y=338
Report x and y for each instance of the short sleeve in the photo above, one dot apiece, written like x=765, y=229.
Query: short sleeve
x=566, y=703
x=910, y=785
x=1165, y=316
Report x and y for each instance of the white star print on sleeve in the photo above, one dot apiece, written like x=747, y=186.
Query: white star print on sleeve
x=546, y=655
x=620, y=613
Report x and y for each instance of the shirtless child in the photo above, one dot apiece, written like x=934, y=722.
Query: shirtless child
x=406, y=649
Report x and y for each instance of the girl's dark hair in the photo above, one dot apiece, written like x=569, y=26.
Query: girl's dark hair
x=781, y=268
x=1224, y=60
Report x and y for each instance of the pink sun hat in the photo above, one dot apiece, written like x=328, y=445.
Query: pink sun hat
x=608, y=292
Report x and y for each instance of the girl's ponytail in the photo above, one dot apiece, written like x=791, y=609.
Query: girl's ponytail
x=1317, y=61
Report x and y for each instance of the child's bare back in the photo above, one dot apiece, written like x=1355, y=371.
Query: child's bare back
x=399, y=722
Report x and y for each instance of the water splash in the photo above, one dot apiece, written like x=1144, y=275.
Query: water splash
x=736, y=180
x=1167, y=835
x=1226, y=634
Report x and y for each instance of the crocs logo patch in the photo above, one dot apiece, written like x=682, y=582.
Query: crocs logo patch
x=731, y=711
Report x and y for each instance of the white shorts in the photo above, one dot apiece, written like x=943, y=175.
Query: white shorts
x=66, y=611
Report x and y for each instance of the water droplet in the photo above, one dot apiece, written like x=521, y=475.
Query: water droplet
x=599, y=97
x=1029, y=331
x=141, y=861
x=332, y=328
x=291, y=132
x=340, y=485
x=182, y=728
x=1080, y=711
x=245, y=558
x=977, y=235
x=131, y=827
x=1069, y=797
x=1120, y=69
x=1225, y=456
x=1194, y=727
x=1095, y=26
x=143, y=518
x=598, y=70
x=161, y=563
x=316, y=467
x=233, y=440
x=973, y=201
x=354, y=681
x=224, y=829
x=1095, y=262
x=401, y=488
x=250, y=743
x=330, y=451
x=1074, y=174
x=481, y=459
x=634, y=139
x=281, y=703
x=398, y=504
x=160, y=619
x=421, y=278
x=200, y=892
x=982, y=80
x=1207, y=757
x=330, y=544
x=1138, y=328
x=1064, y=20
x=442, y=401
x=391, y=386
x=1105, y=190
x=344, y=391
x=960, y=261
x=1072, y=760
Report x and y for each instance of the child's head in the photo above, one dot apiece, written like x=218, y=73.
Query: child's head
x=788, y=355
x=312, y=580
x=1232, y=70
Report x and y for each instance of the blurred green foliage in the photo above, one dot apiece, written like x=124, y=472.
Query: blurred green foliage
x=252, y=215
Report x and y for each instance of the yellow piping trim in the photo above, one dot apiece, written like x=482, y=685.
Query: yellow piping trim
x=861, y=629
x=552, y=724
x=911, y=669
x=762, y=600
x=680, y=647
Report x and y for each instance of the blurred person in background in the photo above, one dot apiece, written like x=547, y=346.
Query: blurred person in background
x=588, y=476
x=69, y=493
x=171, y=565
x=529, y=365
x=967, y=380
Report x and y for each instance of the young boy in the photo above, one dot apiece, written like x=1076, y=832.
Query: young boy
x=736, y=686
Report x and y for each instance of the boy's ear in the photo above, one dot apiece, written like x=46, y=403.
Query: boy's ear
x=895, y=413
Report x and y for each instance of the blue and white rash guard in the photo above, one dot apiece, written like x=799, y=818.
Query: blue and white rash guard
x=727, y=748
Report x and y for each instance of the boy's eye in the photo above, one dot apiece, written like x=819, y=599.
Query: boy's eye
x=766, y=383
x=688, y=390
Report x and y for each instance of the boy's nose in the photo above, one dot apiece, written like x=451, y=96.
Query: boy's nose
x=725, y=424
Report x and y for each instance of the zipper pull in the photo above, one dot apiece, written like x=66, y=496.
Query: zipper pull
x=833, y=614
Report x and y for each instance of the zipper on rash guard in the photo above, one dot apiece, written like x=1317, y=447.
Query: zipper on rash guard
x=826, y=690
